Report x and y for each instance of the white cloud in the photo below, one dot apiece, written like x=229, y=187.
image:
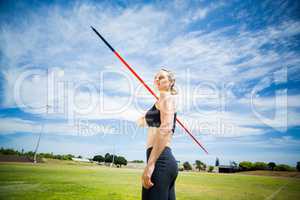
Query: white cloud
x=147, y=38
x=80, y=128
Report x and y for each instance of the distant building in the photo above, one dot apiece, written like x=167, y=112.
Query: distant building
x=135, y=165
x=179, y=165
x=81, y=159
x=227, y=169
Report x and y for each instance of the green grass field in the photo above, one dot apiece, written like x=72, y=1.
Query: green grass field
x=66, y=180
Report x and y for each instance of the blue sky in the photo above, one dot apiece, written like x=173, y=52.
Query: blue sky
x=236, y=65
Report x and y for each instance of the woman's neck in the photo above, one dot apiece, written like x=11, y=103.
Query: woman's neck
x=164, y=92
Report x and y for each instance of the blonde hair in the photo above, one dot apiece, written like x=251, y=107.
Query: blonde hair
x=171, y=77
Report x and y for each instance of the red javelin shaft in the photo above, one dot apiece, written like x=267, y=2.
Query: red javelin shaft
x=147, y=87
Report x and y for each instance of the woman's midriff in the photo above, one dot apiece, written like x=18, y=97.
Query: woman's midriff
x=152, y=131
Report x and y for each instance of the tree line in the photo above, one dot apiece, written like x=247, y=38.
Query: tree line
x=249, y=166
x=30, y=154
x=111, y=158
x=120, y=160
x=108, y=158
x=242, y=166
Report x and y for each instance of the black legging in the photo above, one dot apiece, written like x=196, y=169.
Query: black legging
x=163, y=177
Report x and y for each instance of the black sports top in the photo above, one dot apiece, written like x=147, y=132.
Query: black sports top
x=153, y=118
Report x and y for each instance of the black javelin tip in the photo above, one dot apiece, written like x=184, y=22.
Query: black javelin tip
x=102, y=38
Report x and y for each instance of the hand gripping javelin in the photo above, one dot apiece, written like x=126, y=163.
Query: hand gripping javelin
x=146, y=86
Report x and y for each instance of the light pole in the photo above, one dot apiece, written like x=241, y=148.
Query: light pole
x=39, y=139
x=113, y=156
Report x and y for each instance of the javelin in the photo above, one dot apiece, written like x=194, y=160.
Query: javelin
x=141, y=80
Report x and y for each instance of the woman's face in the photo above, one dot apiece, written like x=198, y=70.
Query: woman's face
x=161, y=81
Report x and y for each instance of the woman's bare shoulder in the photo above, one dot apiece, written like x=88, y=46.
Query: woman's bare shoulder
x=167, y=102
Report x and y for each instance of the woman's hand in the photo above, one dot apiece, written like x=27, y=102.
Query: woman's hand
x=141, y=122
x=146, y=177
